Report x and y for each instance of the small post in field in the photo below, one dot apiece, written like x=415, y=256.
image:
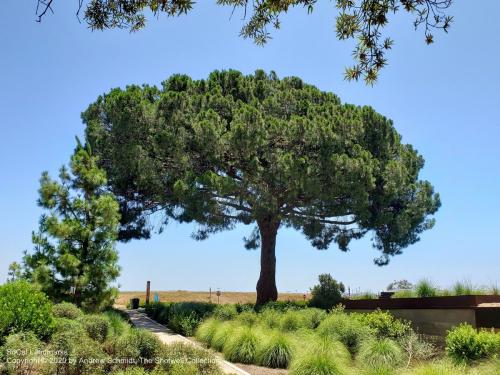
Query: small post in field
x=148, y=286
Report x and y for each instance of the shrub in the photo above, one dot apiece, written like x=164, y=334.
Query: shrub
x=465, y=344
x=283, y=306
x=77, y=353
x=327, y=294
x=241, y=307
x=184, y=317
x=425, y=288
x=438, y=368
x=19, y=354
x=348, y=330
x=97, y=326
x=65, y=324
x=181, y=359
x=137, y=344
x=416, y=348
x=225, y=312
x=206, y=331
x=276, y=352
x=384, y=324
x=66, y=310
x=409, y=293
x=380, y=353
x=24, y=308
x=242, y=347
x=131, y=371
x=221, y=335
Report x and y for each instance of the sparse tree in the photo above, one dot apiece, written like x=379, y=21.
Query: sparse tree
x=15, y=272
x=74, y=258
x=259, y=150
x=359, y=20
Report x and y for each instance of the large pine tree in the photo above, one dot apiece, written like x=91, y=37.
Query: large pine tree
x=74, y=258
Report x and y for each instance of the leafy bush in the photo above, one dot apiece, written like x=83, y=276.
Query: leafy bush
x=242, y=346
x=276, y=352
x=380, y=353
x=97, y=326
x=65, y=324
x=136, y=344
x=182, y=317
x=425, y=288
x=328, y=293
x=181, y=359
x=465, y=344
x=384, y=324
x=284, y=305
x=206, y=331
x=24, y=308
x=348, y=330
x=225, y=312
x=66, y=310
x=78, y=353
x=185, y=324
x=19, y=354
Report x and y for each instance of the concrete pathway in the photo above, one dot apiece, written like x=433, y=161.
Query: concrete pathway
x=140, y=320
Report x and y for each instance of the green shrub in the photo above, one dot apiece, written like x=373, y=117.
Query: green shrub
x=66, y=310
x=20, y=354
x=408, y=293
x=97, y=326
x=465, y=344
x=184, y=317
x=242, y=346
x=276, y=351
x=415, y=348
x=439, y=368
x=425, y=288
x=65, y=324
x=348, y=330
x=283, y=305
x=328, y=293
x=78, y=354
x=384, y=324
x=206, y=331
x=241, y=307
x=380, y=353
x=131, y=371
x=225, y=312
x=182, y=359
x=185, y=324
x=136, y=344
x=24, y=308
x=221, y=335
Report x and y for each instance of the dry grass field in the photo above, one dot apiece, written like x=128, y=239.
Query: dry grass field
x=185, y=296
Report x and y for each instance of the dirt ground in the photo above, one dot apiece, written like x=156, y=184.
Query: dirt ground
x=185, y=296
x=257, y=370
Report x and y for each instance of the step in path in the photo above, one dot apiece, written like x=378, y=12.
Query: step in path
x=140, y=320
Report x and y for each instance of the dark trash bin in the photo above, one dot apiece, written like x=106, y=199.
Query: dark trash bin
x=134, y=303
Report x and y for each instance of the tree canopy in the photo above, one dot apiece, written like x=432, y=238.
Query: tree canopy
x=74, y=258
x=259, y=150
x=359, y=20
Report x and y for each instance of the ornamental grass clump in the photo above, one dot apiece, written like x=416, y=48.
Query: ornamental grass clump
x=311, y=317
x=242, y=346
x=206, y=331
x=348, y=330
x=291, y=321
x=277, y=351
x=221, y=335
x=425, y=288
x=380, y=353
x=323, y=357
x=270, y=318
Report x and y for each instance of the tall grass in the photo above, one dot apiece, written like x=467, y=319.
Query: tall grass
x=425, y=288
x=221, y=335
x=324, y=357
x=380, y=353
x=242, y=346
x=206, y=331
x=277, y=351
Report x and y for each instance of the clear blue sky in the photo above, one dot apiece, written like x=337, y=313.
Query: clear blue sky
x=444, y=99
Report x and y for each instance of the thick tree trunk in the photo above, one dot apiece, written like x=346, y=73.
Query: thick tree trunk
x=266, y=286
